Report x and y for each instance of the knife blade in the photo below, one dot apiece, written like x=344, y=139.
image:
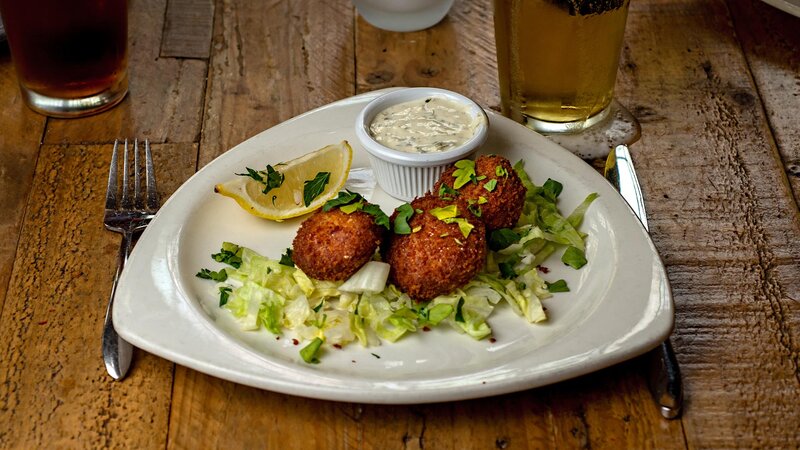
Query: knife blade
x=664, y=376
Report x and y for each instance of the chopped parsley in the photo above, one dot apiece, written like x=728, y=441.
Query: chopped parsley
x=464, y=173
x=445, y=212
x=574, y=257
x=551, y=189
x=310, y=353
x=270, y=178
x=314, y=187
x=447, y=193
x=224, y=293
x=404, y=214
x=286, y=258
x=490, y=185
x=507, y=270
x=350, y=202
x=500, y=171
x=502, y=238
x=459, y=313
x=230, y=254
x=211, y=275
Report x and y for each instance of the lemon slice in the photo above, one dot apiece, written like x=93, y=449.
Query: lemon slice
x=287, y=201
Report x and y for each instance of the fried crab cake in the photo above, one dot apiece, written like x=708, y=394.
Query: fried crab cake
x=499, y=197
x=436, y=258
x=332, y=245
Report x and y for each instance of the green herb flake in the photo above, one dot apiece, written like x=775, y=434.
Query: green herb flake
x=463, y=225
x=557, y=286
x=319, y=306
x=224, y=293
x=490, y=185
x=507, y=270
x=344, y=198
x=404, y=214
x=552, y=189
x=574, y=257
x=230, y=254
x=270, y=178
x=480, y=178
x=445, y=212
x=475, y=210
x=314, y=187
x=502, y=238
x=464, y=173
x=459, y=313
x=482, y=200
x=310, y=353
x=416, y=229
x=447, y=193
x=375, y=355
x=458, y=242
x=500, y=171
x=206, y=274
x=352, y=207
x=286, y=258
x=381, y=219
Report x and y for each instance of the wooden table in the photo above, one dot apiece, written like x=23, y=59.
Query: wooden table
x=715, y=84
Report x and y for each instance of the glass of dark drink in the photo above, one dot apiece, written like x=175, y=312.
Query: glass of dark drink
x=70, y=55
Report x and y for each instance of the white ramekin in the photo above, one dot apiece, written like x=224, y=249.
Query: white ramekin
x=405, y=175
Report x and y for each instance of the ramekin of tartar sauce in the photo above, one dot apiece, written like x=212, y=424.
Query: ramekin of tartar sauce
x=412, y=134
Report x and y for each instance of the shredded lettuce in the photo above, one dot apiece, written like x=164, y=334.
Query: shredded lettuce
x=262, y=293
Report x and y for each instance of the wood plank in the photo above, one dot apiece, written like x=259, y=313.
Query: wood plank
x=54, y=391
x=272, y=62
x=726, y=229
x=771, y=41
x=165, y=99
x=187, y=29
x=451, y=55
x=19, y=146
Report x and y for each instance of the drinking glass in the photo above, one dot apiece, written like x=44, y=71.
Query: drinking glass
x=557, y=60
x=70, y=55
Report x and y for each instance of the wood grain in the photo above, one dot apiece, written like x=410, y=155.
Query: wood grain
x=165, y=98
x=457, y=54
x=187, y=29
x=771, y=42
x=19, y=146
x=725, y=224
x=53, y=385
x=271, y=62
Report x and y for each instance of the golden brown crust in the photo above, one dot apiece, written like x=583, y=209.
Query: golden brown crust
x=436, y=259
x=332, y=245
x=504, y=203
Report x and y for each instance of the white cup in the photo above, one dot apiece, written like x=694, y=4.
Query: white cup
x=403, y=15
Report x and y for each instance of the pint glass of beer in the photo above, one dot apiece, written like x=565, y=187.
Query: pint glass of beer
x=557, y=60
x=70, y=55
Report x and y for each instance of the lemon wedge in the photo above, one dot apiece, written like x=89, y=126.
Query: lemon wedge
x=288, y=201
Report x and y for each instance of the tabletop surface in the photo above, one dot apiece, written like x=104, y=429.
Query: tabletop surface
x=715, y=85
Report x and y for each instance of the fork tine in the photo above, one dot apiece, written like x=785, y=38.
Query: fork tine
x=125, y=201
x=138, y=198
x=111, y=189
x=152, y=191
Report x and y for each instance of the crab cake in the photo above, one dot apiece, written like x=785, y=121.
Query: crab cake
x=499, y=197
x=333, y=245
x=436, y=257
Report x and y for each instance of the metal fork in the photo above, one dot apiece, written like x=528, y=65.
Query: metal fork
x=128, y=216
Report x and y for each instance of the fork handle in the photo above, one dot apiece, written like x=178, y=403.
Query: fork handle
x=117, y=352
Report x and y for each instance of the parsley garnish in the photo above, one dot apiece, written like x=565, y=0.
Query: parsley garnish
x=507, y=270
x=224, y=292
x=446, y=192
x=464, y=173
x=404, y=214
x=500, y=171
x=230, y=254
x=381, y=219
x=350, y=202
x=551, y=189
x=557, y=286
x=270, y=178
x=286, y=258
x=314, y=187
x=459, y=313
x=211, y=275
x=502, y=238
x=344, y=198
x=490, y=185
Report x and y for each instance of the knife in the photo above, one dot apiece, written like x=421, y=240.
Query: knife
x=663, y=372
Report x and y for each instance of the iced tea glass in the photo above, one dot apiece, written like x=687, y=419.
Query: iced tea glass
x=557, y=60
x=70, y=55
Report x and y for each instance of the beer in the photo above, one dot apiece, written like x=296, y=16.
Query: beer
x=557, y=60
x=70, y=56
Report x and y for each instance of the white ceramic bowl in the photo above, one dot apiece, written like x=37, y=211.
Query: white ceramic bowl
x=406, y=175
x=403, y=15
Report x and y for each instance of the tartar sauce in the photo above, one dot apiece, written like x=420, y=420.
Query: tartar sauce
x=427, y=125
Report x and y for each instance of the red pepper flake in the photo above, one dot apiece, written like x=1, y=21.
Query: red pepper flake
x=339, y=346
x=492, y=340
x=295, y=342
x=543, y=269
x=425, y=328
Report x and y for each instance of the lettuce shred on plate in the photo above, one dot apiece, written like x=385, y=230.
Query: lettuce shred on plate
x=263, y=293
